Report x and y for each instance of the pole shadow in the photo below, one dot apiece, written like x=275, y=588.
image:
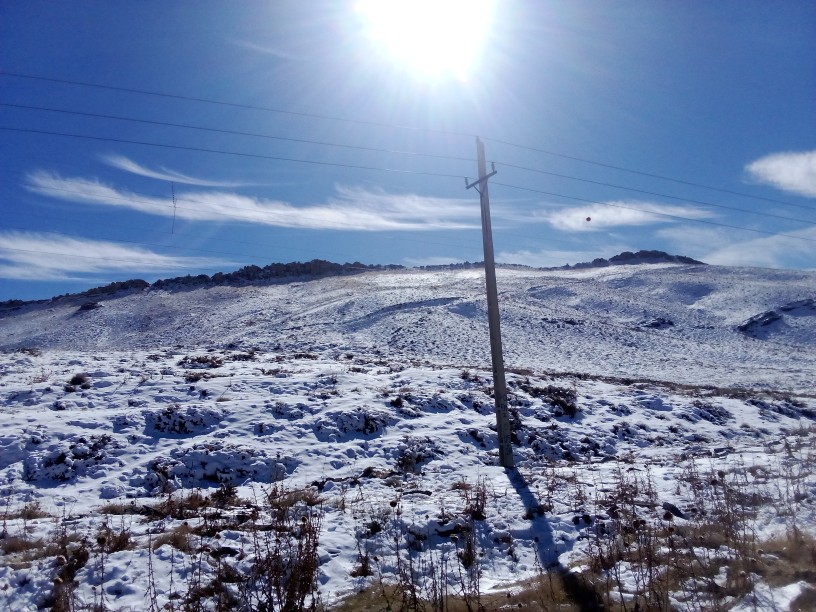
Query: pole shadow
x=577, y=589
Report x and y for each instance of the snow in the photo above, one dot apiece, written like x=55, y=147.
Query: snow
x=374, y=392
x=767, y=598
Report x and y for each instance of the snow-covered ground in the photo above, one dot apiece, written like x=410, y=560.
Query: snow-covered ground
x=373, y=394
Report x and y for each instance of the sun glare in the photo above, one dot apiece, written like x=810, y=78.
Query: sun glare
x=433, y=38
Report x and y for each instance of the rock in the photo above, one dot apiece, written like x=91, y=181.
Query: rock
x=670, y=507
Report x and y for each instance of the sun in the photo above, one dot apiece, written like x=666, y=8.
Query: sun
x=432, y=38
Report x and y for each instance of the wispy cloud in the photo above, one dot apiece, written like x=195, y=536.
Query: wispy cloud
x=695, y=240
x=422, y=212
x=618, y=213
x=48, y=257
x=769, y=252
x=349, y=209
x=163, y=174
x=554, y=258
x=792, y=172
x=268, y=50
x=723, y=247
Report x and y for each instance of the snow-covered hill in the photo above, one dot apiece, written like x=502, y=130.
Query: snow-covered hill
x=372, y=394
x=660, y=321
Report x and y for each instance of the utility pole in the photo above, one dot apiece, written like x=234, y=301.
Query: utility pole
x=499, y=382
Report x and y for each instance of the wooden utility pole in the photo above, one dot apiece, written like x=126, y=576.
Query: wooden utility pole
x=499, y=382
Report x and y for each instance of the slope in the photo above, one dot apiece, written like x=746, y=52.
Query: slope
x=635, y=321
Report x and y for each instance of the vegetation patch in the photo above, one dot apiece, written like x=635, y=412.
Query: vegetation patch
x=201, y=361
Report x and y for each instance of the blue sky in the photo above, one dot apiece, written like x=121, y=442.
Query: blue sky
x=710, y=94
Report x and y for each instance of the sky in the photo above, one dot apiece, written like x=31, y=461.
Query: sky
x=152, y=139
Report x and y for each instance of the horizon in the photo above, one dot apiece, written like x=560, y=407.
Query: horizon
x=282, y=133
x=617, y=259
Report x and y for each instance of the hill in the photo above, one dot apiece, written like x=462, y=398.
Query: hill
x=630, y=321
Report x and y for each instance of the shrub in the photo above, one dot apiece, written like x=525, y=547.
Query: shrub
x=80, y=380
x=201, y=361
x=564, y=399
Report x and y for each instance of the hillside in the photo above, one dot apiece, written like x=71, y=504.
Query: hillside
x=635, y=321
x=152, y=443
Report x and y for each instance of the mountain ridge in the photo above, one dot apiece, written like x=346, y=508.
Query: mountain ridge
x=318, y=268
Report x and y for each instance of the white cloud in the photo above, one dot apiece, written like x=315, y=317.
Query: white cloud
x=555, y=258
x=164, y=174
x=619, y=213
x=421, y=212
x=723, y=247
x=770, y=252
x=793, y=172
x=349, y=209
x=35, y=256
x=695, y=240
x=521, y=212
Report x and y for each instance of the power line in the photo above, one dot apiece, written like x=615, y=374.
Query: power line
x=641, y=173
x=664, y=195
x=372, y=168
x=660, y=214
x=410, y=172
x=393, y=126
x=409, y=153
x=235, y=104
x=529, y=189
x=238, y=133
x=354, y=226
x=236, y=153
x=392, y=237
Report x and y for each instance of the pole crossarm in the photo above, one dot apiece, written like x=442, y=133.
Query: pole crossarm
x=481, y=180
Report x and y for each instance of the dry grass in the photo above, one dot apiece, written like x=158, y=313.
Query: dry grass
x=786, y=560
x=120, y=509
x=639, y=553
x=30, y=511
x=545, y=591
x=178, y=538
x=524, y=596
x=16, y=545
x=179, y=507
x=279, y=497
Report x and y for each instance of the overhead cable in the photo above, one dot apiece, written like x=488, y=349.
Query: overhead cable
x=651, y=212
x=238, y=133
x=394, y=126
x=236, y=153
x=410, y=153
